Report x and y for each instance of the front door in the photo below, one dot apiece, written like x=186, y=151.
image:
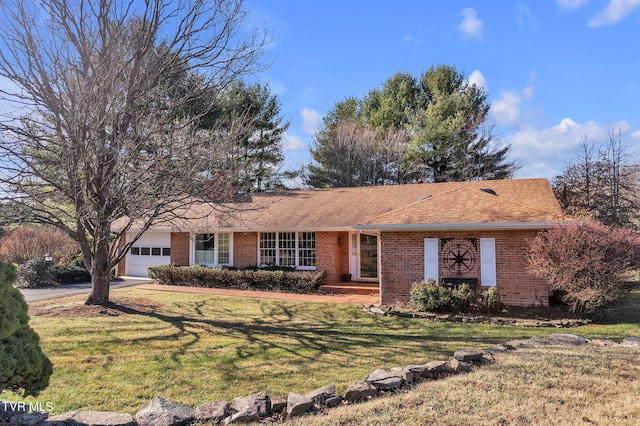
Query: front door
x=368, y=256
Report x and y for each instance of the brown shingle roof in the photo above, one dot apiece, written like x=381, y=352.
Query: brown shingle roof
x=516, y=201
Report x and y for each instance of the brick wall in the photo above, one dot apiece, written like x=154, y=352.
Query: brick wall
x=179, y=249
x=402, y=261
x=332, y=254
x=245, y=249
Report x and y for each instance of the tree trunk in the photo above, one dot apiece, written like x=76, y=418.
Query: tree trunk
x=100, y=269
x=99, y=287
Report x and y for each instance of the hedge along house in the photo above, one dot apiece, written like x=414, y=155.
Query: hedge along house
x=454, y=232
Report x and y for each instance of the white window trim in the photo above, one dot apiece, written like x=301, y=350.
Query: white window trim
x=216, y=246
x=297, y=248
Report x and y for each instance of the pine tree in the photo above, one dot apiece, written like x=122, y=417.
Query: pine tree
x=24, y=367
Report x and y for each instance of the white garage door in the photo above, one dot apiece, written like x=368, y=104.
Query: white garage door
x=149, y=250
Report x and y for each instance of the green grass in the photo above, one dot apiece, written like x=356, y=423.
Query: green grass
x=197, y=348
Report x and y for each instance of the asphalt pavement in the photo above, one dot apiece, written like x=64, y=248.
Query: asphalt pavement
x=46, y=293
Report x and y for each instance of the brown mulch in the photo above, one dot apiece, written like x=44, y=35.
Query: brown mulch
x=78, y=309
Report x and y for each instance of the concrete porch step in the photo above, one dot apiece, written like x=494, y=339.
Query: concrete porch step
x=365, y=288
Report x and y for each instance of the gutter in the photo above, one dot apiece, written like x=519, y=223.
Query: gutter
x=494, y=226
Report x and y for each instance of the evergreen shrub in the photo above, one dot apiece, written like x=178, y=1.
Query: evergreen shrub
x=241, y=279
x=23, y=366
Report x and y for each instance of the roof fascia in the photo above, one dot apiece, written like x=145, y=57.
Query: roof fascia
x=459, y=226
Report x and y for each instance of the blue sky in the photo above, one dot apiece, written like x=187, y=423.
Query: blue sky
x=556, y=71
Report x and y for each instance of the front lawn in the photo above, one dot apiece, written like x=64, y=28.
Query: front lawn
x=197, y=348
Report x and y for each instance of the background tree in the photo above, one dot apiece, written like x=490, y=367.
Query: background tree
x=24, y=367
x=601, y=183
x=254, y=155
x=449, y=137
x=349, y=154
x=99, y=129
x=27, y=242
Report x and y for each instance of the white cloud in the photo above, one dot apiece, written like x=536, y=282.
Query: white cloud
x=478, y=79
x=310, y=120
x=571, y=4
x=506, y=110
x=292, y=142
x=471, y=26
x=544, y=153
x=613, y=13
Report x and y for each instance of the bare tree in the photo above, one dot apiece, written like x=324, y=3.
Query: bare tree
x=350, y=154
x=102, y=125
x=601, y=184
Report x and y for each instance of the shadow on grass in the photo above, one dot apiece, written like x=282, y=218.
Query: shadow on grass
x=304, y=335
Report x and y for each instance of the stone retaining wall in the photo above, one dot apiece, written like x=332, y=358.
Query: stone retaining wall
x=260, y=406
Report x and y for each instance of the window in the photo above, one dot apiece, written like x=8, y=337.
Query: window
x=213, y=249
x=295, y=249
x=307, y=246
x=268, y=248
x=287, y=248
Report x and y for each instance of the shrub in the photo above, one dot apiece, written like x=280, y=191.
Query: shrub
x=490, y=301
x=24, y=367
x=36, y=273
x=25, y=243
x=432, y=297
x=241, y=279
x=586, y=263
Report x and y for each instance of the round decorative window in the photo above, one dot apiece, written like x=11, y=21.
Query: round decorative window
x=459, y=256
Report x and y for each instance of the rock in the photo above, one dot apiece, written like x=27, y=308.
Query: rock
x=541, y=341
x=10, y=409
x=213, y=412
x=165, y=412
x=568, y=339
x=249, y=408
x=631, y=341
x=468, y=356
x=487, y=358
x=333, y=402
x=459, y=366
x=603, y=342
x=278, y=404
x=419, y=371
x=298, y=404
x=437, y=369
x=384, y=380
x=28, y=419
x=320, y=395
x=519, y=344
x=407, y=375
x=496, y=349
x=360, y=391
x=93, y=418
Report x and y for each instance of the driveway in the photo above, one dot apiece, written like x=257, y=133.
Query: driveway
x=46, y=293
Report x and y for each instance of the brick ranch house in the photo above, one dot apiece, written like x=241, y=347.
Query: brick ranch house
x=474, y=232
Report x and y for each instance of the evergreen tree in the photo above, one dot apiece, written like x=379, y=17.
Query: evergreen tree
x=445, y=120
x=254, y=152
x=24, y=367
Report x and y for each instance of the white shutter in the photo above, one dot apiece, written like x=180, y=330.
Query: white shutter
x=488, y=261
x=431, y=258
